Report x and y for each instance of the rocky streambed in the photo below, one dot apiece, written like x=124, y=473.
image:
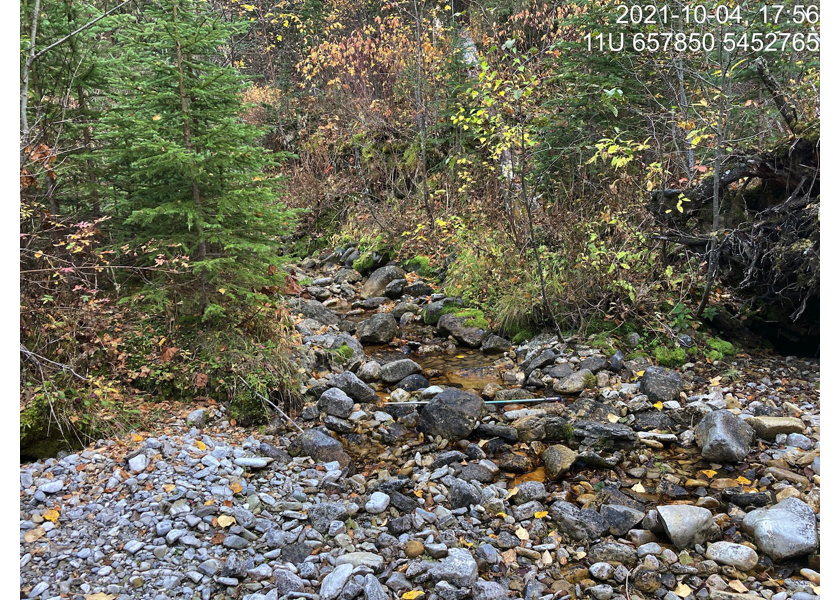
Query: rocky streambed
x=410, y=480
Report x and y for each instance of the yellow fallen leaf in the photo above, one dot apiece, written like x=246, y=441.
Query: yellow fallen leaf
x=235, y=487
x=51, y=515
x=638, y=488
x=743, y=480
x=657, y=406
x=168, y=487
x=461, y=356
x=156, y=118
x=501, y=515
x=418, y=493
x=613, y=418
x=136, y=437
x=210, y=502
x=714, y=381
x=540, y=514
x=522, y=534
x=201, y=445
x=513, y=492
x=226, y=521
x=738, y=586
x=682, y=590
x=412, y=594
x=709, y=473
x=639, y=373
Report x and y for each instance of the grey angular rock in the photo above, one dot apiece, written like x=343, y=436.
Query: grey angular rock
x=397, y=370
x=354, y=387
x=579, y=524
x=287, y=582
x=458, y=568
x=463, y=494
x=528, y=491
x=573, y=384
x=687, y=525
x=373, y=589
x=312, y=309
x=494, y=344
x=335, y=402
x=370, y=371
x=357, y=559
x=661, y=384
x=488, y=590
x=197, y=418
x=737, y=555
x=621, y=519
x=452, y=414
x=413, y=383
x=319, y=445
x=321, y=515
x=558, y=459
x=394, y=289
x=381, y=328
x=333, y=583
x=723, y=437
x=613, y=552
x=784, y=530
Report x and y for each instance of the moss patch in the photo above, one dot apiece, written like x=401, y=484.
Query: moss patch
x=474, y=317
x=670, y=357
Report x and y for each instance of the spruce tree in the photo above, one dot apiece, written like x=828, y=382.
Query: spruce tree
x=193, y=181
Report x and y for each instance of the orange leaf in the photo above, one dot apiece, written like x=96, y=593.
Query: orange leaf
x=236, y=487
x=168, y=353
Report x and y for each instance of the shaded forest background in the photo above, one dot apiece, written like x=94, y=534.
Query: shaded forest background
x=177, y=157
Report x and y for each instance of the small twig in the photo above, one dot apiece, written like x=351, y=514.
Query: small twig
x=270, y=403
x=34, y=358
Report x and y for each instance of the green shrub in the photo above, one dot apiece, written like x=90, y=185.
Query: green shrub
x=421, y=265
x=474, y=316
x=522, y=335
x=714, y=355
x=670, y=357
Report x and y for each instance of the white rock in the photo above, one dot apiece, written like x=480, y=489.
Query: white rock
x=333, y=583
x=739, y=556
x=378, y=503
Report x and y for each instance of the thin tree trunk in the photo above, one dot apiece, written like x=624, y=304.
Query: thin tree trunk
x=196, y=195
x=24, y=88
x=421, y=115
x=87, y=138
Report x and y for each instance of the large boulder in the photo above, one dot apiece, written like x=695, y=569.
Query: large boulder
x=354, y=387
x=687, y=525
x=379, y=280
x=398, y=370
x=785, y=530
x=463, y=334
x=494, y=344
x=661, y=384
x=381, y=328
x=723, y=437
x=336, y=403
x=452, y=414
x=320, y=446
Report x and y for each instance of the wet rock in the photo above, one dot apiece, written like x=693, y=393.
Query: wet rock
x=785, y=530
x=573, y=384
x=661, y=384
x=769, y=427
x=484, y=471
x=381, y=328
x=393, y=372
x=687, y=525
x=450, y=325
x=513, y=394
x=418, y=289
x=319, y=445
x=723, y=437
x=494, y=344
x=412, y=383
x=452, y=414
x=557, y=460
x=335, y=402
x=537, y=361
x=379, y=280
x=505, y=432
x=737, y=555
x=617, y=361
x=597, y=433
x=354, y=387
